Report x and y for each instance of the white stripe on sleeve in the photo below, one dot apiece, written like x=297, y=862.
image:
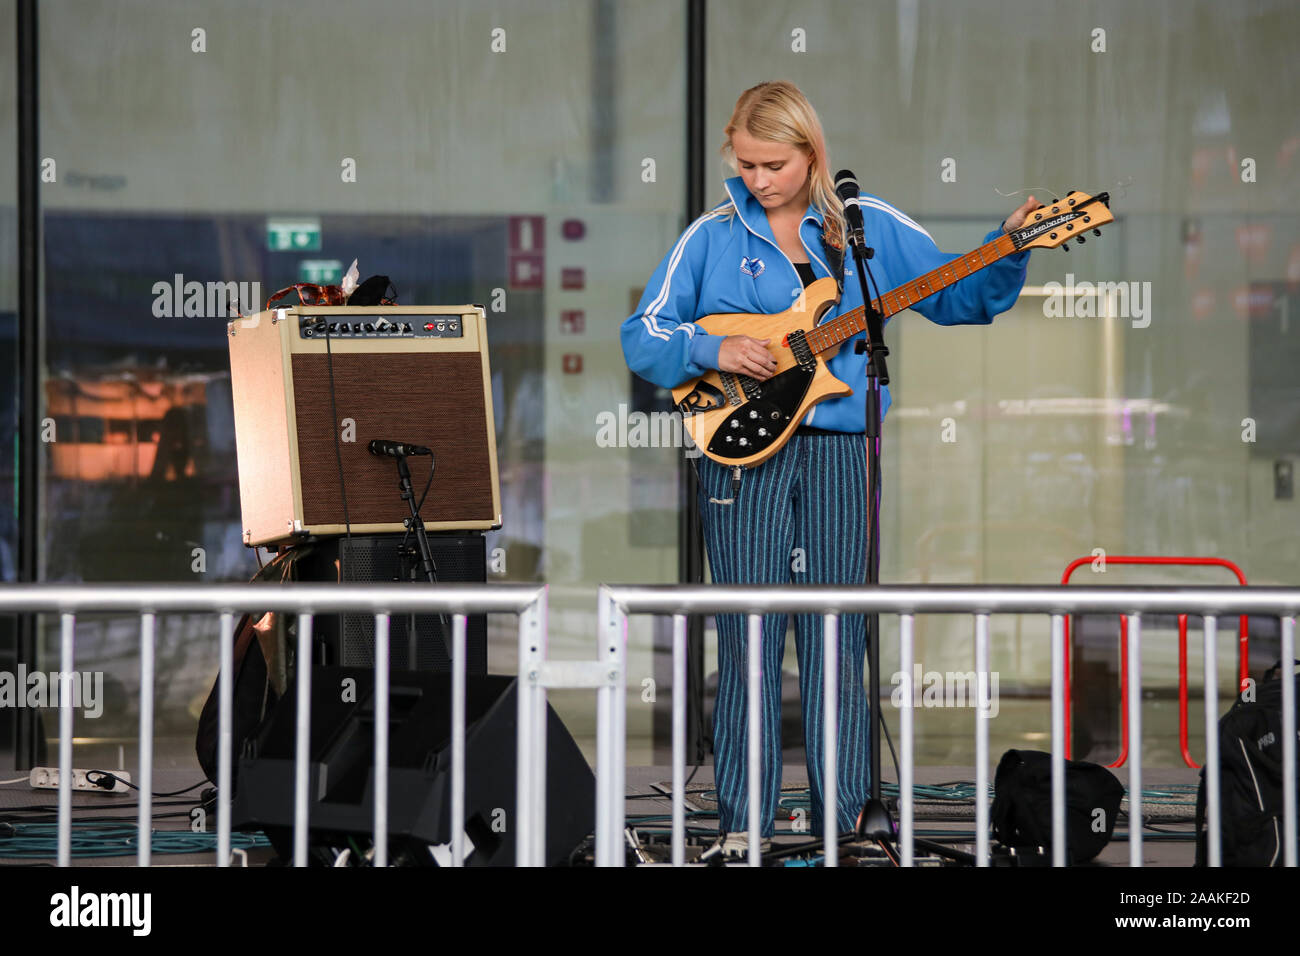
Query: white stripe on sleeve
x=650, y=319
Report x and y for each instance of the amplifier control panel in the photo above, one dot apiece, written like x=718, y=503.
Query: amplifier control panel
x=401, y=326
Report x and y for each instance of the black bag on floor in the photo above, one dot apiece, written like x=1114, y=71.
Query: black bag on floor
x=1022, y=804
x=1250, y=780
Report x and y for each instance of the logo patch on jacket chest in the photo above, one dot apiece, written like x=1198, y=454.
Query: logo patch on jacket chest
x=752, y=267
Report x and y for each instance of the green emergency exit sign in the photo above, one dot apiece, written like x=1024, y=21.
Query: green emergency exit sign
x=293, y=235
x=320, y=271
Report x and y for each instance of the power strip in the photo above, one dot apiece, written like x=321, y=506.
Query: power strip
x=47, y=778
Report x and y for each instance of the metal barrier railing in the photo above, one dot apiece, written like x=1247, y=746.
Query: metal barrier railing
x=149, y=600
x=607, y=675
x=619, y=601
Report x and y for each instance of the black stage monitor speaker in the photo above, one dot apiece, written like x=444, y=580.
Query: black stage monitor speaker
x=419, y=790
x=348, y=640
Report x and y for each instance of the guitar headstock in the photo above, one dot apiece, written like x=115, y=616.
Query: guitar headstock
x=1070, y=217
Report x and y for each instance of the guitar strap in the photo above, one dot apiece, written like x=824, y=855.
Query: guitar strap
x=835, y=259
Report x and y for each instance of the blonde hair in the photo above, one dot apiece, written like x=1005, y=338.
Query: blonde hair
x=778, y=112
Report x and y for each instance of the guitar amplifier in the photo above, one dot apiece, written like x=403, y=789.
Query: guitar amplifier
x=314, y=385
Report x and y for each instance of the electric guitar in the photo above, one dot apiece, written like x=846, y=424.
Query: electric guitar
x=739, y=421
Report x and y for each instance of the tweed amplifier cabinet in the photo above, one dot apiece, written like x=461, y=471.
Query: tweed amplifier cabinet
x=414, y=374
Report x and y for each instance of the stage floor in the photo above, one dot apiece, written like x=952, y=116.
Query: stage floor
x=951, y=816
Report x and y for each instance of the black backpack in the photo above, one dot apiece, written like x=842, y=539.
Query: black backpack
x=1022, y=805
x=1250, y=780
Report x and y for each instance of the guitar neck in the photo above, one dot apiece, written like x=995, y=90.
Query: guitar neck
x=843, y=327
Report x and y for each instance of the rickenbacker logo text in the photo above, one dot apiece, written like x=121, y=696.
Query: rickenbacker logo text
x=1037, y=229
x=77, y=909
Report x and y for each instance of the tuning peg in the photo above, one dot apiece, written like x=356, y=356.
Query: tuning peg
x=1096, y=232
x=1081, y=240
x=1065, y=246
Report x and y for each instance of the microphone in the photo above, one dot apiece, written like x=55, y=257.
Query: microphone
x=396, y=449
x=846, y=187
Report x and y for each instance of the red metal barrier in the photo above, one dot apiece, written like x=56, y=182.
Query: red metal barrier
x=1243, y=644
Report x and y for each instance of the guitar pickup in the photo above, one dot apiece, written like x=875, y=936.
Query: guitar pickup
x=803, y=353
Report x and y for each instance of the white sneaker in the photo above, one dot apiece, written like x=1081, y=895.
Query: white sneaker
x=733, y=846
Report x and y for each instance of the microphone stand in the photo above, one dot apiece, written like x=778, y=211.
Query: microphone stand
x=874, y=822
x=416, y=523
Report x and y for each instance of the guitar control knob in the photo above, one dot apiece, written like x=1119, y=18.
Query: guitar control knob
x=744, y=441
x=753, y=414
x=762, y=432
x=729, y=438
x=735, y=423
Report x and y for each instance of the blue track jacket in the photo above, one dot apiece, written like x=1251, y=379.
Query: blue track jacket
x=727, y=262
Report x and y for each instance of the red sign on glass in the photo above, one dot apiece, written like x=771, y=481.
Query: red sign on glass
x=527, y=234
x=525, y=262
x=525, y=271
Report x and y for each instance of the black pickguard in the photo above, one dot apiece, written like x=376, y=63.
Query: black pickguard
x=760, y=421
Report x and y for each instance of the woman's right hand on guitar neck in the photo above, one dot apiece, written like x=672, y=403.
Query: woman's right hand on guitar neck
x=746, y=356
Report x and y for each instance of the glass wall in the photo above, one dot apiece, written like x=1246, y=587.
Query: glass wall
x=8, y=350
x=503, y=153
x=1159, y=417
x=531, y=157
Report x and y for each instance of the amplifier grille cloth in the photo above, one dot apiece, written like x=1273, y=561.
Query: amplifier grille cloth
x=433, y=399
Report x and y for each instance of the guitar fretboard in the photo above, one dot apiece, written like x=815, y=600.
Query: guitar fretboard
x=843, y=327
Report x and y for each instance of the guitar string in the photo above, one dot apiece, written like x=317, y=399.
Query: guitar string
x=1055, y=196
x=910, y=290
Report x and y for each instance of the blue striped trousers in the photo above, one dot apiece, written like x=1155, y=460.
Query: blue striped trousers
x=797, y=518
